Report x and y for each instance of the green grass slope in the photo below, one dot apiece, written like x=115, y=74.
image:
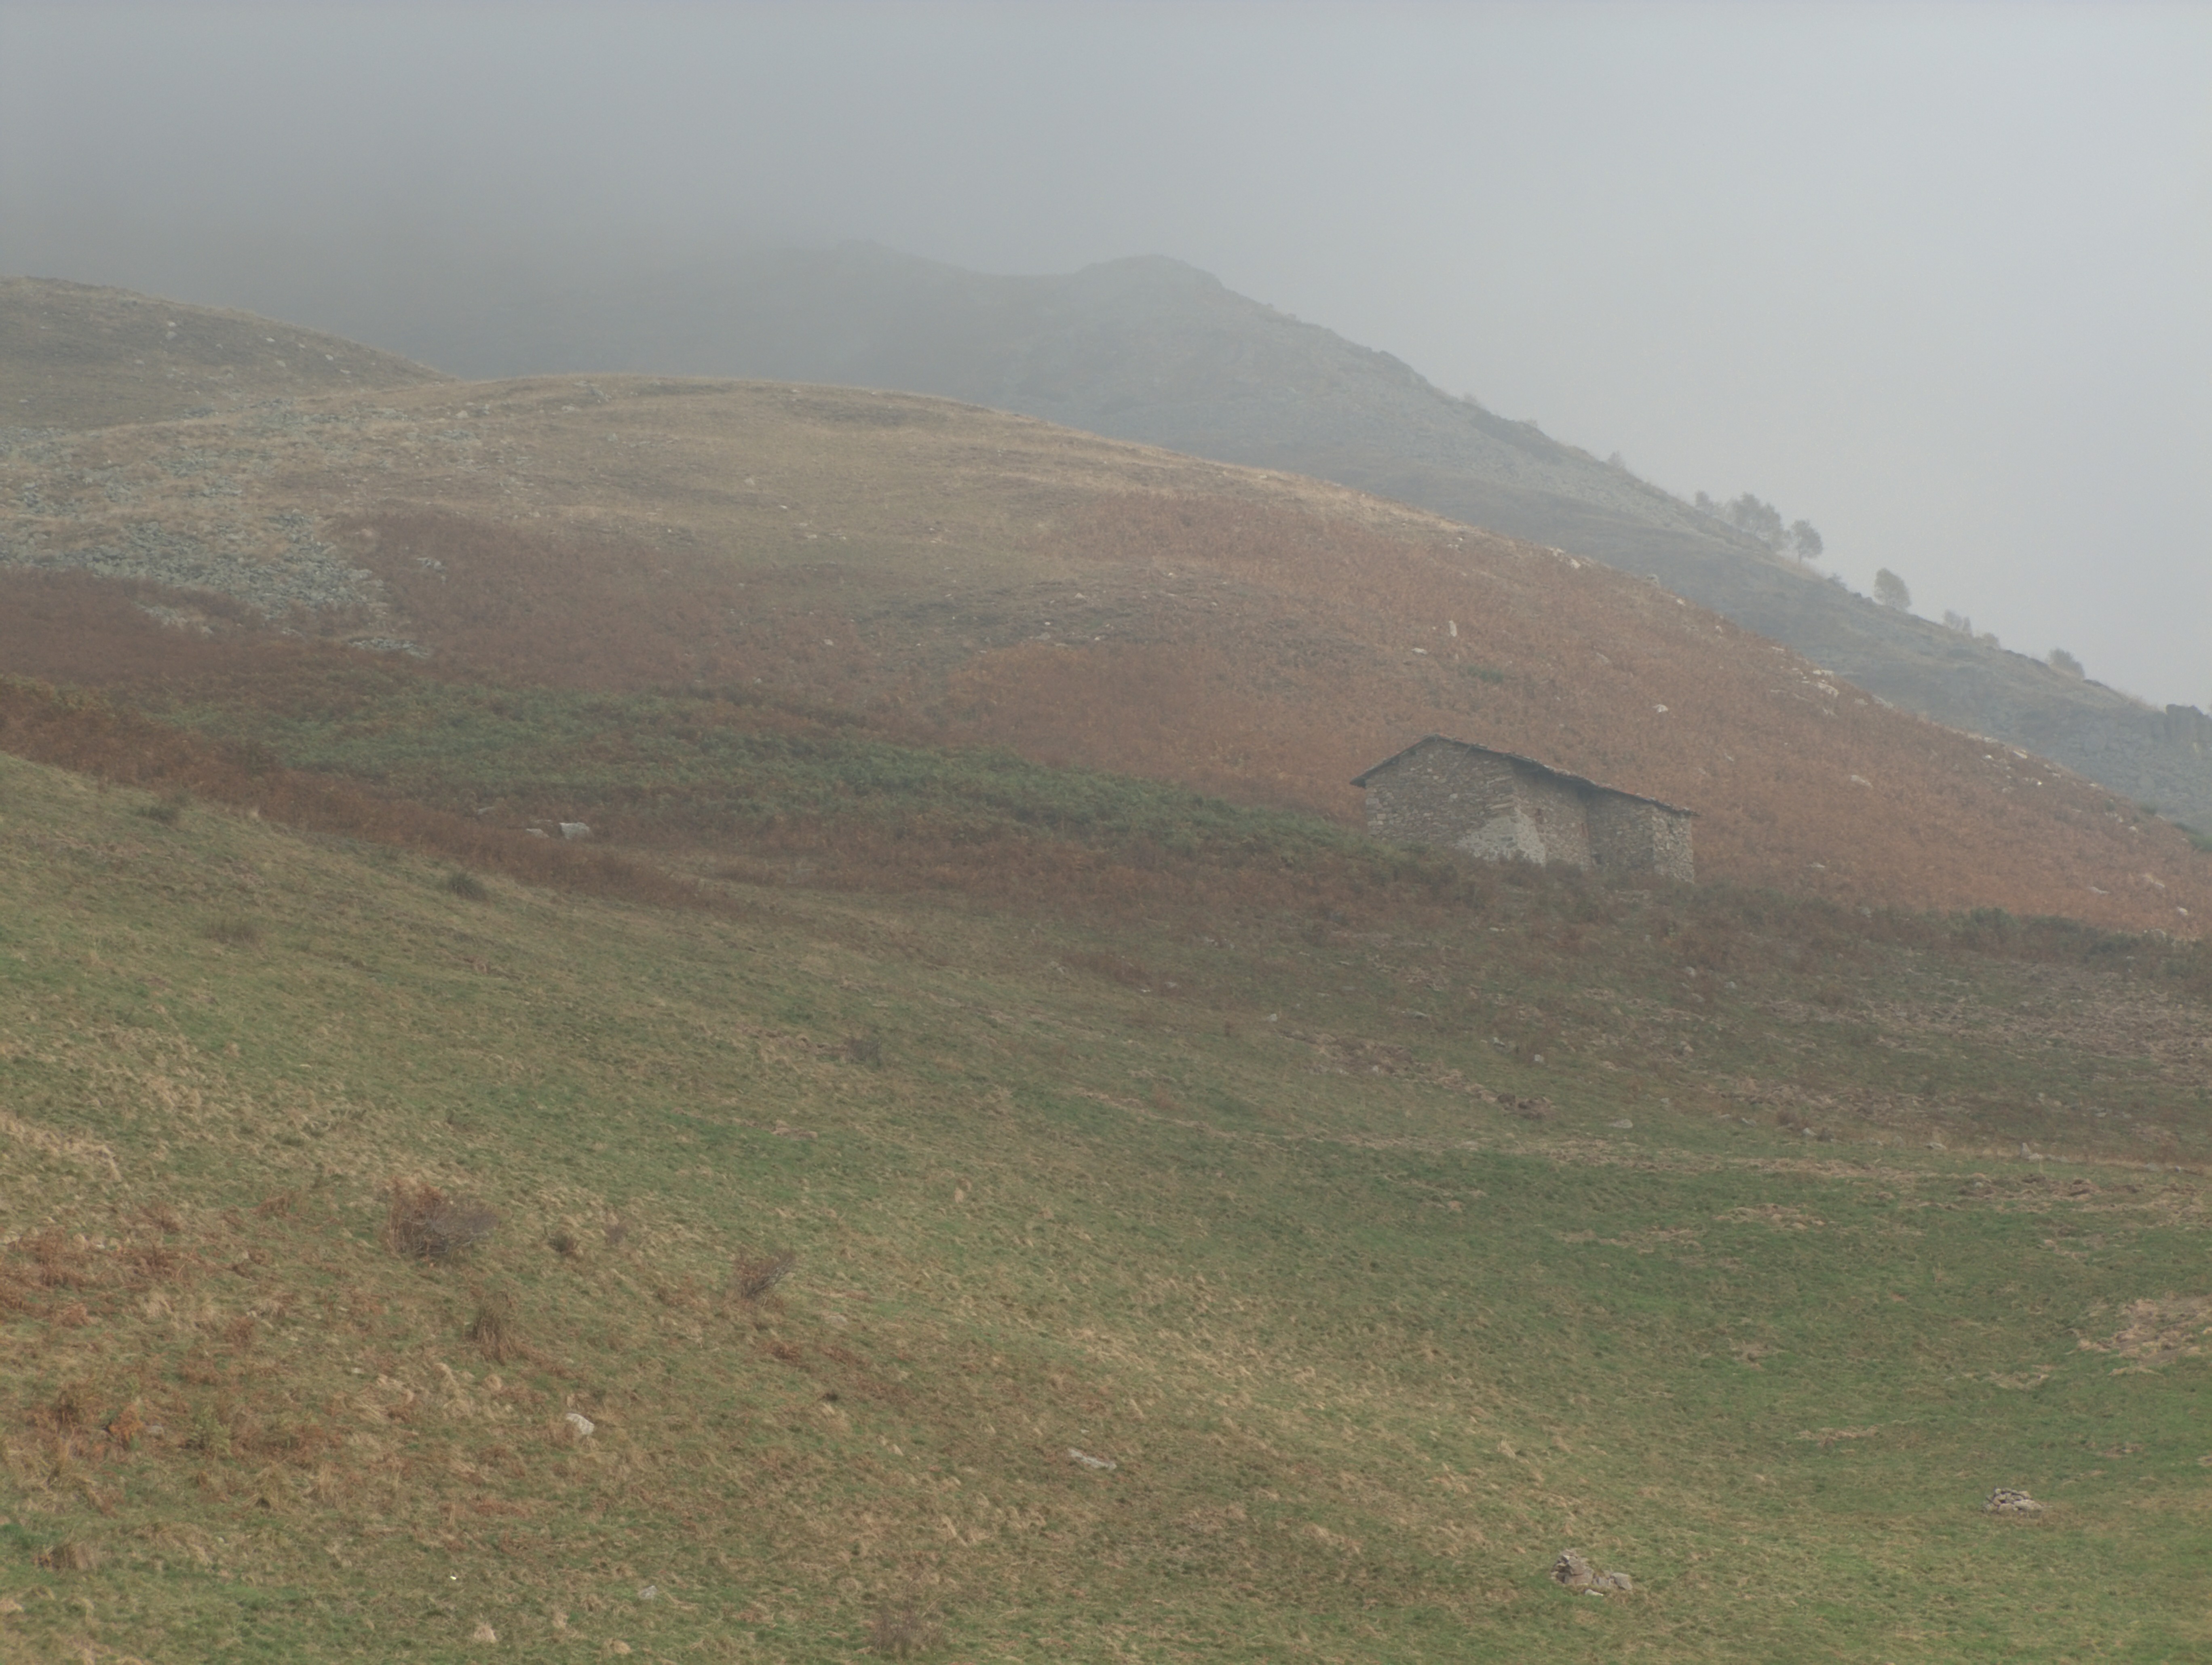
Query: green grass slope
x=1383, y=1256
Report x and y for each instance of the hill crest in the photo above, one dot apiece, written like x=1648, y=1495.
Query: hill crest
x=77, y=355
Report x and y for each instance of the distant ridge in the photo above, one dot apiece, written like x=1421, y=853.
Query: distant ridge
x=1152, y=349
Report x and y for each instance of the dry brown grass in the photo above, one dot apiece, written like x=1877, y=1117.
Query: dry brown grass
x=422, y=1223
x=904, y=1629
x=754, y=1275
x=494, y=1328
x=71, y=1555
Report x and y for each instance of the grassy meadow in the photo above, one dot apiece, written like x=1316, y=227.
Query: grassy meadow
x=976, y=1159
x=1386, y=1241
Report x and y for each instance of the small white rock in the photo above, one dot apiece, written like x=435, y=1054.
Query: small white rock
x=583, y=1425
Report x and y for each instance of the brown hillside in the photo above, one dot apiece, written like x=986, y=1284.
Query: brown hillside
x=977, y=576
x=76, y=356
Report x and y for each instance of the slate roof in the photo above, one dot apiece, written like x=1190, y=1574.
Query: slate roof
x=1515, y=757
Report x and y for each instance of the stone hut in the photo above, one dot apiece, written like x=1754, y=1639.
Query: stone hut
x=1494, y=804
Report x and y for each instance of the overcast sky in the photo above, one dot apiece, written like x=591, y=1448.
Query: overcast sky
x=1936, y=277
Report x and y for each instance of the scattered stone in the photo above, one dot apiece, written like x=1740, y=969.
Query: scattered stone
x=484, y=1632
x=583, y=1425
x=2007, y=1501
x=648, y=1592
x=1091, y=1462
x=1573, y=1570
x=574, y=830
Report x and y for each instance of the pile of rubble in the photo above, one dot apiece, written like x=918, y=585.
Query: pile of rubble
x=1573, y=1570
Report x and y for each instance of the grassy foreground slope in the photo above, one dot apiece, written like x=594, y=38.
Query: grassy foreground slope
x=1383, y=1257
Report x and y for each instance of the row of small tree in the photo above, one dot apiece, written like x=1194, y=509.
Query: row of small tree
x=2058, y=658
x=1749, y=513
x=1764, y=521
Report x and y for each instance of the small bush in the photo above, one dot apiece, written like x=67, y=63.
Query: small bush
x=863, y=1049
x=70, y=1555
x=493, y=1329
x=752, y=1277
x=423, y=1223
x=58, y=1263
x=234, y=933
x=466, y=885
x=901, y=1629
x=168, y=812
x=73, y=1409
x=565, y=1243
x=163, y=1217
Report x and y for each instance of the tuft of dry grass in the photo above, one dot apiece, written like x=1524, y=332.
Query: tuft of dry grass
x=904, y=1630
x=233, y=931
x=422, y=1222
x=493, y=1329
x=163, y=1217
x=70, y=1555
x=754, y=1275
x=466, y=885
x=74, y=1409
x=169, y=811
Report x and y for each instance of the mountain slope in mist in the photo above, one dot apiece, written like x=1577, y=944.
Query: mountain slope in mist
x=949, y=573
x=1155, y=350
